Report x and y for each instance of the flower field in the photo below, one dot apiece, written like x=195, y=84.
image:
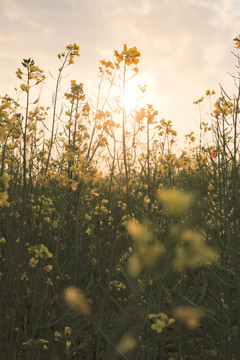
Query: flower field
x=113, y=243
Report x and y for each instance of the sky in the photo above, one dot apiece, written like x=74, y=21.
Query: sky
x=185, y=46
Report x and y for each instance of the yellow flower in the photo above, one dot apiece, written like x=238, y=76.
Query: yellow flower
x=49, y=282
x=161, y=320
x=67, y=331
x=48, y=268
x=171, y=321
x=158, y=326
x=57, y=336
x=68, y=344
x=88, y=231
x=33, y=262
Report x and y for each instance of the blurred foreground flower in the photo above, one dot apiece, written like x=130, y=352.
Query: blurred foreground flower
x=77, y=301
x=175, y=202
x=189, y=316
x=139, y=232
x=193, y=251
x=126, y=344
x=146, y=250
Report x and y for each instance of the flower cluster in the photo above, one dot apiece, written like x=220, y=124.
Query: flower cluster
x=160, y=320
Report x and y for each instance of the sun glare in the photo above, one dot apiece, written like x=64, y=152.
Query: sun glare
x=131, y=99
x=135, y=96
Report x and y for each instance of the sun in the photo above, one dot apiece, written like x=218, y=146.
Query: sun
x=136, y=94
x=131, y=98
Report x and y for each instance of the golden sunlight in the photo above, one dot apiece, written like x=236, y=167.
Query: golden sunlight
x=135, y=95
x=131, y=99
